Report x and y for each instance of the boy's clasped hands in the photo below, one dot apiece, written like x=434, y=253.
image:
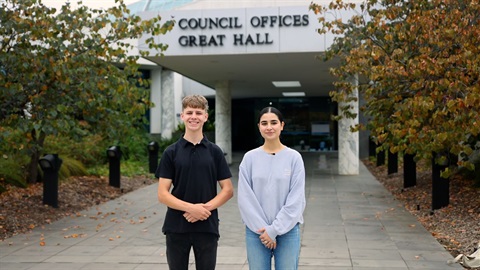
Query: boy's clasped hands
x=198, y=211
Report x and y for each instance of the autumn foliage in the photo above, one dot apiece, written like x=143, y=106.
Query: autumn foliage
x=71, y=72
x=418, y=64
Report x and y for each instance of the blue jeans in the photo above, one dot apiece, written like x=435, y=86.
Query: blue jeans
x=286, y=254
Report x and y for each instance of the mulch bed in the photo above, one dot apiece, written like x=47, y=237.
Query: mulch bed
x=21, y=210
x=456, y=226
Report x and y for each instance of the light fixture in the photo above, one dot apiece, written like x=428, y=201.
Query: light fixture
x=153, y=146
x=286, y=83
x=114, y=152
x=50, y=165
x=47, y=162
x=293, y=94
x=152, y=156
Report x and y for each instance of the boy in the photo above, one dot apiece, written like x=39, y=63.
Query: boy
x=193, y=166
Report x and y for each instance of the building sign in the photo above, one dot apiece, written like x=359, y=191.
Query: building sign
x=241, y=31
x=261, y=25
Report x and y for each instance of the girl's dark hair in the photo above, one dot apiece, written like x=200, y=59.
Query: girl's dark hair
x=270, y=110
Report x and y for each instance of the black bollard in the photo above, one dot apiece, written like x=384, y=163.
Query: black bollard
x=50, y=165
x=372, y=147
x=392, y=162
x=114, y=154
x=440, y=185
x=409, y=171
x=152, y=156
x=381, y=158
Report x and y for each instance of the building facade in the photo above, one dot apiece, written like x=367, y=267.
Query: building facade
x=243, y=56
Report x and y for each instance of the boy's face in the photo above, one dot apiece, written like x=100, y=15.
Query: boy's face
x=194, y=118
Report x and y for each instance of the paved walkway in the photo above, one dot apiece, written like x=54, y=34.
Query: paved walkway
x=351, y=223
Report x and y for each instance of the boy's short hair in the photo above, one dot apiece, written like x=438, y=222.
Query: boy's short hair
x=195, y=101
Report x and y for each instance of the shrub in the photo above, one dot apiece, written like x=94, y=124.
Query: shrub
x=12, y=171
x=71, y=167
x=134, y=146
x=14, y=158
x=90, y=150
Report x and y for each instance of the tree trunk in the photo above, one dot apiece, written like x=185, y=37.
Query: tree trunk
x=392, y=162
x=37, y=144
x=409, y=171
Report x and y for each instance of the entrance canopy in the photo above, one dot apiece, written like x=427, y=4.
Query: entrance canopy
x=241, y=52
x=250, y=48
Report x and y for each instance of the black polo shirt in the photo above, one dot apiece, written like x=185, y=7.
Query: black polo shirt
x=194, y=171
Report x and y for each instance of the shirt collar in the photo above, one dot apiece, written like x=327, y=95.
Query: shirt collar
x=184, y=143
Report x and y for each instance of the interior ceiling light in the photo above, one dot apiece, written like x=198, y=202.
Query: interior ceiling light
x=293, y=94
x=286, y=83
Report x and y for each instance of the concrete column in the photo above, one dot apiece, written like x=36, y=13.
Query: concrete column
x=178, y=97
x=168, y=103
x=348, y=149
x=223, y=118
x=156, y=98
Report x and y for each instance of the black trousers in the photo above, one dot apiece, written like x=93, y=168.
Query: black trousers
x=204, y=248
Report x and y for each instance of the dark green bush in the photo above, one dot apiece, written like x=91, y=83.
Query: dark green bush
x=12, y=171
x=79, y=157
x=134, y=146
x=89, y=150
x=14, y=158
x=71, y=167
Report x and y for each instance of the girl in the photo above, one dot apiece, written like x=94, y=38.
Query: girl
x=271, y=197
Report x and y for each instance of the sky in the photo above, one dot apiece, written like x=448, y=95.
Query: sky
x=89, y=3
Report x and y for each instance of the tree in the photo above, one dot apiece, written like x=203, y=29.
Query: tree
x=419, y=61
x=71, y=72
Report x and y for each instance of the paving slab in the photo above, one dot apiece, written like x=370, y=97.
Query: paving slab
x=351, y=223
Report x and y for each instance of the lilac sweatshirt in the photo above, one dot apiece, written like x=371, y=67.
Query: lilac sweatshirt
x=271, y=190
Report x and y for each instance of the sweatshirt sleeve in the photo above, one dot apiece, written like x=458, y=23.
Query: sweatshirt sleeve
x=250, y=210
x=292, y=212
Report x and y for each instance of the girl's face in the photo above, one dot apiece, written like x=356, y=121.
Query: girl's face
x=270, y=126
x=194, y=118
